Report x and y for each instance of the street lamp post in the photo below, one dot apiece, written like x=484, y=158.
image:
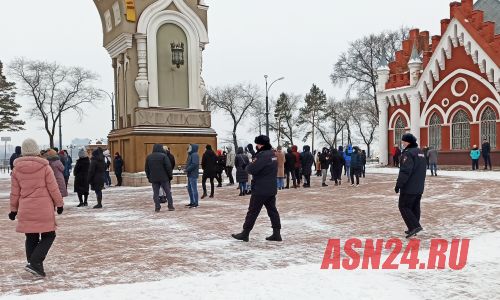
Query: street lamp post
x=112, y=99
x=267, y=101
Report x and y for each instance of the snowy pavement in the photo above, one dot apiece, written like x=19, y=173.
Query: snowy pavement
x=125, y=251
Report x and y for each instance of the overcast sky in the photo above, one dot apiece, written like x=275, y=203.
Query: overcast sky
x=297, y=39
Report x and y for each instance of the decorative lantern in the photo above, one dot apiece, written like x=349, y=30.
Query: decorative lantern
x=177, y=54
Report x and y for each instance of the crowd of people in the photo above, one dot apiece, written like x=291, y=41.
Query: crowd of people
x=431, y=156
x=40, y=181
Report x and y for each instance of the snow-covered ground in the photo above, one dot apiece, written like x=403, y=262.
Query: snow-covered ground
x=127, y=252
x=488, y=175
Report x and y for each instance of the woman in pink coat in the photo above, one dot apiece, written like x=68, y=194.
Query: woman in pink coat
x=58, y=169
x=33, y=197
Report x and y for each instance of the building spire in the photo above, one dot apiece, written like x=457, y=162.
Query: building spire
x=383, y=64
x=415, y=55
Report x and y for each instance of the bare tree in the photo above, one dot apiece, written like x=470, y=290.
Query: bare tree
x=258, y=116
x=54, y=90
x=332, y=123
x=366, y=121
x=357, y=67
x=235, y=101
x=286, y=118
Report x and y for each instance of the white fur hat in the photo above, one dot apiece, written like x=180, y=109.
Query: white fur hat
x=30, y=148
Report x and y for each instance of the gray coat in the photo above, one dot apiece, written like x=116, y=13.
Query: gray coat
x=433, y=156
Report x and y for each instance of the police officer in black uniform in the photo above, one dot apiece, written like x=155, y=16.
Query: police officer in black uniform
x=264, y=170
x=410, y=183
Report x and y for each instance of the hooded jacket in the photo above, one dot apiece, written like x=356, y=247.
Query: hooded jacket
x=307, y=160
x=81, y=172
x=347, y=155
x=324, y=159
x=356, y=161
x=96, y=170
x=14, y=156
x=209, y=163
x=289, y=160
x=58, y=169
x=475, y=153
x=193, y=162
x=34, y=194
x=295, y=151
x=158, y=168
x=241, y=163
x=412, y=171
x=230, y=157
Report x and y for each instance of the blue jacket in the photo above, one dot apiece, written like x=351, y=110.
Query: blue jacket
x=347, y=155
x=193, y=162
x=475, y=154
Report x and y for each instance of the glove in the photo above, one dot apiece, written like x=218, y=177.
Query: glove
x=12, y=215
x=60, y=210
x=396, y=189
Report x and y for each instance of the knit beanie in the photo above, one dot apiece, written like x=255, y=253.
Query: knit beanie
x=82, y=153
x=30, y=148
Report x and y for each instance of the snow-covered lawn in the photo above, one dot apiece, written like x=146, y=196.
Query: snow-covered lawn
x=474, y=175
x=126, y=251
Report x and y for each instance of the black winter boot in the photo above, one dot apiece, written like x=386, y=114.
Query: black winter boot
x=81, y=201
x=242, y=236
x=85, y=198
x=276, y=237
x=99, y=203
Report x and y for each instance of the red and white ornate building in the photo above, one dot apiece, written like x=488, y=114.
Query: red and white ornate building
x=445, y=89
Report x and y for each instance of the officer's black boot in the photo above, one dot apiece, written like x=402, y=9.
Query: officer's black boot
x=276, y=237
x=242, y=236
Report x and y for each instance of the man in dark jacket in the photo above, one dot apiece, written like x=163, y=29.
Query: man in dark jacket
x=290, y=168
x=356, y=165
x=337, y=161
x=14, y=156
x=159, y=172
x=486, y=149
x=96, y=175
x=410, y=183
x=209, y=166
x=118, y=168
x=324, y=160
x=307, y=161
x=264, y=169
x=192, y=172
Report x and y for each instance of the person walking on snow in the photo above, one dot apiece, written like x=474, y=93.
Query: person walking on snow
x=221, y=165
x=118, y=168
x=264, y=169
x=290, y=168
x=14, y=156
x=96, y=175
x=432, y=157
x=475, y=153
x=486, y=149
x=280, y=155
x=58, y=169
x=241, y=163
x=298, y=165
x=356, y=165
x=230, y=164
x=81, y=171
x=209, y=166
x=324, y=161
x=363, y=163
x=33, y=197
x=337, y=165
x=159, y=172
x=107, y=162
x=307, y=161
x=410, y=182
x=347, y=159
x=192, y=172
x=250, y=154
